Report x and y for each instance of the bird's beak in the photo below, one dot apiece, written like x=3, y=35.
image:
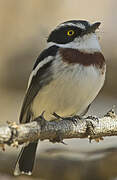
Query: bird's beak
x=93, y=27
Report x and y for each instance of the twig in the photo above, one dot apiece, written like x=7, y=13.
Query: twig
x=56, y=131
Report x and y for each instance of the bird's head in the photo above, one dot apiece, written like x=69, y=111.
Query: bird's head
x=76, y=34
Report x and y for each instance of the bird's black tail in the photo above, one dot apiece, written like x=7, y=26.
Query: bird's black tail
x=26, y=158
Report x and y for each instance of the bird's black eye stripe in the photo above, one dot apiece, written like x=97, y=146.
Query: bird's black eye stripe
x=51, y=51
x=61, y=35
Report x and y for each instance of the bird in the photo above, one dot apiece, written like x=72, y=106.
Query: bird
x=65, y=79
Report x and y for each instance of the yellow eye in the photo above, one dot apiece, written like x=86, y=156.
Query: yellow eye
x=70, y=33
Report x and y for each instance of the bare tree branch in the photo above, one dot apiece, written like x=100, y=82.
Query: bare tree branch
x=55, y=131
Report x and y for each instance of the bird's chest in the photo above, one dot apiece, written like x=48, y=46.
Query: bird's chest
x=71, y=91
x=77, y=85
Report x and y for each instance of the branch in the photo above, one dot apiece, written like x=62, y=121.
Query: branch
x=55, y=131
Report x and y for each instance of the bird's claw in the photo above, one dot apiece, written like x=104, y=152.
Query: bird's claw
x=94, y=118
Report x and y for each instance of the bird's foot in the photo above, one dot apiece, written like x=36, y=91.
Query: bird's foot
x=74, y=119
x=94, y=118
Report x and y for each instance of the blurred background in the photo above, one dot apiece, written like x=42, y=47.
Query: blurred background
x=24, y=28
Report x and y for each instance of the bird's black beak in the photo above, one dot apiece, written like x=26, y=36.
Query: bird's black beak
x=92, y=28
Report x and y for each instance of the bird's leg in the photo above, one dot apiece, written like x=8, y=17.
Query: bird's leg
x=57, y=116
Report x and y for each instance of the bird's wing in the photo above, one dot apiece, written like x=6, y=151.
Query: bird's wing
x=40, y=76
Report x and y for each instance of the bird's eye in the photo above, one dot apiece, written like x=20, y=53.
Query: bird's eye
x=70, y=32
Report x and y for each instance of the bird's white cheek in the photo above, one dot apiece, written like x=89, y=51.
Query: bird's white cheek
x=88, y=43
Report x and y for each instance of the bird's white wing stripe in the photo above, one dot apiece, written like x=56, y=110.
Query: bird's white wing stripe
x=41, y=64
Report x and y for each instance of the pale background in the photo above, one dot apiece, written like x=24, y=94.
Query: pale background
x=24, y=28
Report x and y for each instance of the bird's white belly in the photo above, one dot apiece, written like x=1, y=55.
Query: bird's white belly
x=69, y=93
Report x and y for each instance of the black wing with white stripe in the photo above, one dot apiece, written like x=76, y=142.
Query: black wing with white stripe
x=42, y=77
